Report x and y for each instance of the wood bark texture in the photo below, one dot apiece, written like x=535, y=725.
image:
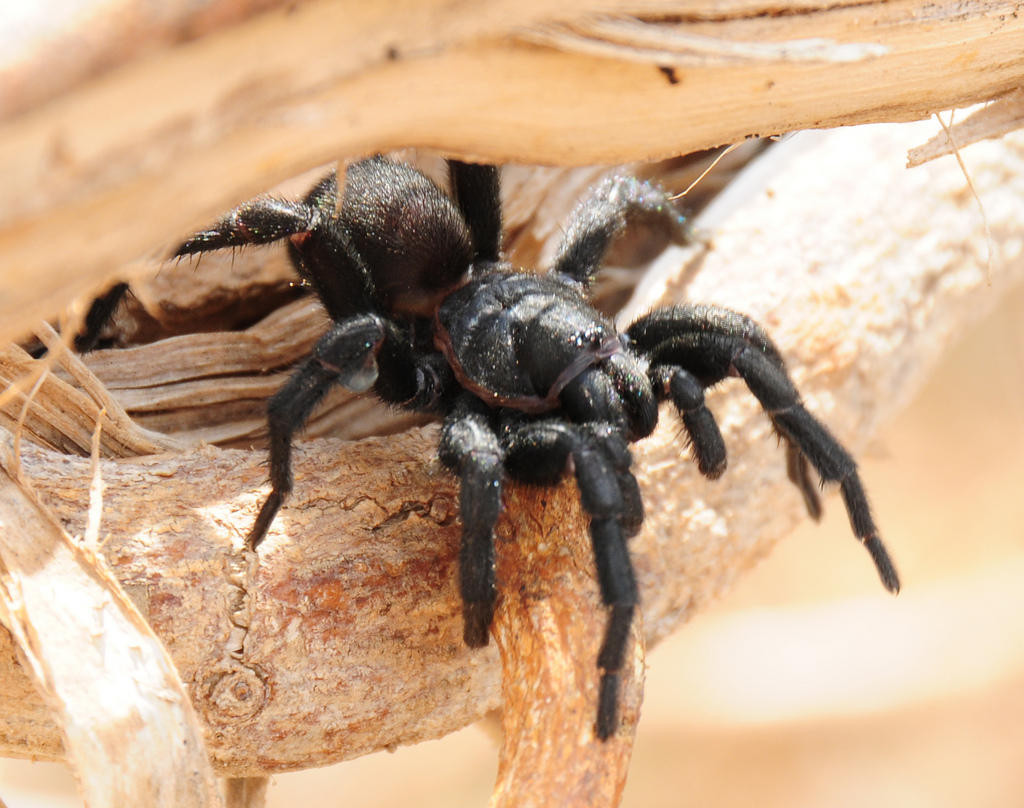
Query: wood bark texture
x=344, y=635
x=117, y=156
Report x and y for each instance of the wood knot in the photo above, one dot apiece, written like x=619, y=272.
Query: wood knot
x=234, y=692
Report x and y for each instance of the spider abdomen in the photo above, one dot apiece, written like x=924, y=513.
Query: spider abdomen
x=408, y=233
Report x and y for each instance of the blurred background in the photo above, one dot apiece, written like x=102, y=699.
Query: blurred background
x=808, y=685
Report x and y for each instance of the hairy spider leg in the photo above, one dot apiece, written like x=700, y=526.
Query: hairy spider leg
x=318, y=246
x=259, y=221
x=603, y=215
x=613, y=514
x=712, y=342
x=324, y=195
x=99, y=314
x=345, y=355
x=470, y=448
x=538, y=452
x=475, y=188
x=609, y=439
x=687, y=393
x=799, y=472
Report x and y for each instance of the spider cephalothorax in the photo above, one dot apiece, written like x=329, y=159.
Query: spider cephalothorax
x=531, y=382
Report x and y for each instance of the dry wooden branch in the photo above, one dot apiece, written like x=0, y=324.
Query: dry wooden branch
x=96, y=178
x=999, y=118
x=51, y=49
x=548, y=685
x=246, y=792
x=344, y=636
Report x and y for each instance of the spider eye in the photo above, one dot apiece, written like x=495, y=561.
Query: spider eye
x=591, y=338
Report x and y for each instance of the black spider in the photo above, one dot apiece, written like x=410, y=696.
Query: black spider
x=530, y=380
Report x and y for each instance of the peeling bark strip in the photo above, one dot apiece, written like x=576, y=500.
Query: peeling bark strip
x=186, y=132
x=127, y=725
x=345, y=637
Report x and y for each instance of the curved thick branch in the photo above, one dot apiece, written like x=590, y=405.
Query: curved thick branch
x=183, y=133
x=345, y=635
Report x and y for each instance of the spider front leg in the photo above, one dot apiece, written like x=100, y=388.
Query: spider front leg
x=345, y=355
x=470, y=448
x=538, y=452
x=779, y=398
x=711, y=343
x=265, y=219
x=687, y=393
x=602, y=496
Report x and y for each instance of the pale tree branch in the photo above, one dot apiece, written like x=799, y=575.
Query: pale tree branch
x=125, y=156
x=344, y=635
x=245, y=792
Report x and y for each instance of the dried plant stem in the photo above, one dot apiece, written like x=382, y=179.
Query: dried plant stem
x=127, y=725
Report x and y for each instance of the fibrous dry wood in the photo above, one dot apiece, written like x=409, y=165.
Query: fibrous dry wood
x=120, y=161
x=344, y=635
x=102, y=674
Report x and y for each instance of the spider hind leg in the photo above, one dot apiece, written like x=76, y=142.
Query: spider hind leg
x=99, y=314
x=603, y=215
x=476, y=190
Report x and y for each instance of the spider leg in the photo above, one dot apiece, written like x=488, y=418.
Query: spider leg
x=616, y=452
x=99, y=314
x=257, y=221
x=687, y=393
x=470, y=448
x=265, y=219
x=475, y=188
x=712, y=343
x=538, y=452
x=779, y=398
x=344, y=355
x=603, y=215
x=324, y=195
x=799, y=473
x=602, y=497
